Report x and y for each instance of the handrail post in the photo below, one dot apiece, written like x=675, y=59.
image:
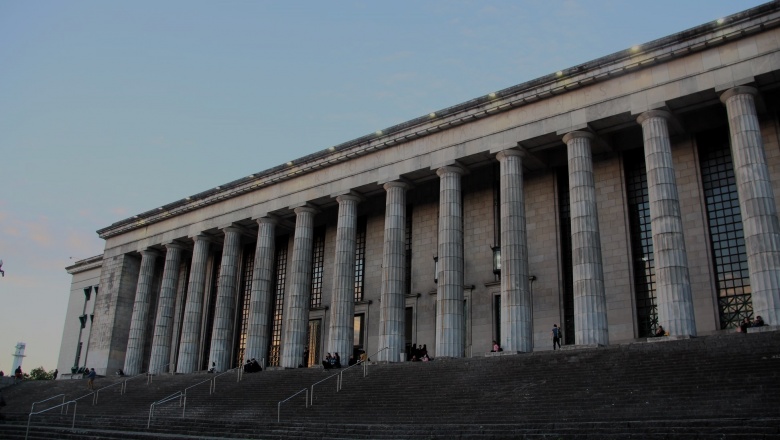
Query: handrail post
x=75, y=407
x=307, y=396
x=184, y=408
x=63, y=403
x=278, y=412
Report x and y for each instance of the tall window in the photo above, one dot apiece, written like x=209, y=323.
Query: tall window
x=408, y=252
x=244, y=299
x=725, y=228
x=212, y=306
x=317, y=267
x=566, y=260
x=641, y=243
x=360, y=258
x=276, y=321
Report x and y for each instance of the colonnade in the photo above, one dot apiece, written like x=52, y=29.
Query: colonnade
x=673, y=287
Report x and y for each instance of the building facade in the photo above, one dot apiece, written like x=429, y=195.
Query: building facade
x=635, y=190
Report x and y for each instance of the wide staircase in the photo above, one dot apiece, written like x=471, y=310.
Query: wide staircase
x=725, y=386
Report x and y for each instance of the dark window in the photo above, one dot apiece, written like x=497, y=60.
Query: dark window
x=641, y=243
x=497, y=317
x=212, y=306
x=276, y=321
x=244, y=299
x=317, y=267
x=725, y=228
x=87, y=293
x=566, y=258
x=78, y=354
x=83, y=320
x=408, y=254
x=360, y=258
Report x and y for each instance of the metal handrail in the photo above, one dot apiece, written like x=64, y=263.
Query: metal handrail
x=32, y=408
x=177, y=394
x=214, y=379
x=365, y=364
x=124, y=383
x=323, y=380
x=184, y=406
x=160, y=370
x=29, y=417
x=97, y=392
x=358, y=363
x=279, y=405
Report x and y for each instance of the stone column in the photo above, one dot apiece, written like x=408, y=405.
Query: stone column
x=136, y=340
x=193, y=309
x=259, y=328
x=590, y=305
x=516, y=313
x=756, y=201
x=296, y=304
x=672, y=282
x=393, y=303
x=450, y=325
x=178, y=314
x=161, y=350
x=342, y=305
x=225, y=311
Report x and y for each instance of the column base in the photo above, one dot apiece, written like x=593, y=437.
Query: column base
x=580, y=347
x=764, y=328
x=670, y=338
x=502, y=353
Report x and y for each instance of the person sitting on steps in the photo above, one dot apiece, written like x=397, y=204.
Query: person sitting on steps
x=496, y=347
x=758, y=322
x=660, y=331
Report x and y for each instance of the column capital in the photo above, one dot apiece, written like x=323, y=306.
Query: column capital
x=654, y=114
x=503, y=154
x=175, y=245
x=202, y=237
x=739, y=90
x=305, y=209
x=150, y=252
x=397, y=184
x=578, y=134
x=233, y=228
x=455, y=168
x=351, y=196
x=268, y=220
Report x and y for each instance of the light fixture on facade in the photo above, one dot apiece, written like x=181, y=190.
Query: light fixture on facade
x=289, y=164
x=379, y=132
x=634, y=48
x=492, y=95
x=721, y=20
x=496, y=259
x=332, y=149
x=559, y=73
x=435, y=269
x=433, y=115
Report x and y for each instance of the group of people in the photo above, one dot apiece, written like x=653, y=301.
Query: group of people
x=746, y=324
x=252, y=366
x=332, y=361
x=419, y=354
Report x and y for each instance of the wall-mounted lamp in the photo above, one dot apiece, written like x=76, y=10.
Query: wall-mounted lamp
x=435, y=269
x=496, y=259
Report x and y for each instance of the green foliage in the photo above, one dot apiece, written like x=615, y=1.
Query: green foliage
x=39, y=374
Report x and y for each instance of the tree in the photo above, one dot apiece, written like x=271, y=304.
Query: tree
x=39, y=373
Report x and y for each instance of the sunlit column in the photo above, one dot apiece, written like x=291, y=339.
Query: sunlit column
x=143, y=293
x=590, y=305
x=392, y=307
x=672, y=282
x=342, y=306
x=259, y=328
x=193, y=309
x=296, y=304
x=756, y=201
x=163, y=327
x=516, y=323
x=450, y=325
x=227, y=292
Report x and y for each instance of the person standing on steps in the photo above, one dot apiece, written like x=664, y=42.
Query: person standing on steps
x=556, y=334
x=91, y=379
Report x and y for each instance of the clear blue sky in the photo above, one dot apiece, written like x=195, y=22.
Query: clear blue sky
x=109, y=109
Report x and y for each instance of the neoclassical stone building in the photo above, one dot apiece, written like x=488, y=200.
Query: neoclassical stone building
x=636, y=190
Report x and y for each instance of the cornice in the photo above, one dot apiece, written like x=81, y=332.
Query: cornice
x=658, y=51
x=85, y=264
